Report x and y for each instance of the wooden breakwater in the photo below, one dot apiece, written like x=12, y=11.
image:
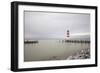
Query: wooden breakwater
x=62, y=41
x=28, y=42
x=75, y=41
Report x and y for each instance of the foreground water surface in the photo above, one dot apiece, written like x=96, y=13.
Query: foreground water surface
x=43, y=50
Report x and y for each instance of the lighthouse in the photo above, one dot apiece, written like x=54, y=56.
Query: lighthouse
x=68, y=33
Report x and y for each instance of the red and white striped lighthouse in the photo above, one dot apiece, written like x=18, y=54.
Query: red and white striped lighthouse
x=68, y=33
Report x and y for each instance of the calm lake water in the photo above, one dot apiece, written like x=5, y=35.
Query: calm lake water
x=52, y=50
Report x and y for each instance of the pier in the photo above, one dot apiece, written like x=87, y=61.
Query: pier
x=76, y=41
x=30, y=42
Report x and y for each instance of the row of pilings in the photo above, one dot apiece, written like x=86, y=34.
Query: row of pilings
x=75, y=41
x=62, y=41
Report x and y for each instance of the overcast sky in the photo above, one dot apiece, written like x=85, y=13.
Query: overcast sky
x=40, y=25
